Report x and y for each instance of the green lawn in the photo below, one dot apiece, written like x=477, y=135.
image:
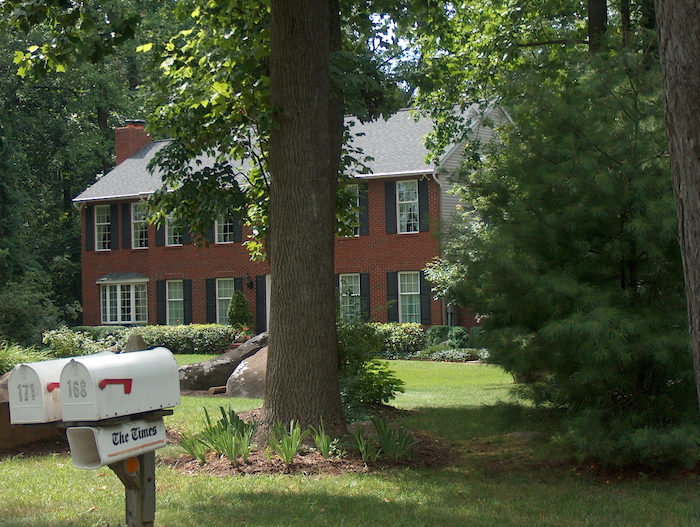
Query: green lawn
x=497, y=481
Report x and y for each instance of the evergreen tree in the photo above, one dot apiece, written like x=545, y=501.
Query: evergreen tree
x=571, y=252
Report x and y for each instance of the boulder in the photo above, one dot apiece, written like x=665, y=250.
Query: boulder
x=215, y=372
x=248, y=379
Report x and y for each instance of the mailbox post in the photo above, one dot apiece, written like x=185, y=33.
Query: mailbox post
x=111, y=407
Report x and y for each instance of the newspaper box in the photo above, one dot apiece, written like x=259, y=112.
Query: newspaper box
x=103, y=387
x=35, y=395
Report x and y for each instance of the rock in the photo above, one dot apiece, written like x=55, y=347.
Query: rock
x=215, y=372
x=248, y=379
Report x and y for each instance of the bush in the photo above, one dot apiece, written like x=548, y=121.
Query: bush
x=65, y=342
x=437, y=335
x=400, y=341
x=194, y=338
x=363, y=378
x=13, y=354
x=239, y=315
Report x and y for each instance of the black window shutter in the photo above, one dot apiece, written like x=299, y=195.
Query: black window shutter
x=186, y=235
x=423, y=212
x=238, y=284
x=90, y=228
x=260, y=304
x=210, y=285
x=126, y=225
x=210, y=234
x=237, y=229
x=114, y=226
x=160, y=236
x=187, y=300
x=160, y=303
x=425, y=318
x=364, y=209
x=392, y=296
x=390, y=206
x=364, y=296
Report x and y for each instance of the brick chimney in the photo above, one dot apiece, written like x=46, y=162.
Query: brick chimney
x=130, y=139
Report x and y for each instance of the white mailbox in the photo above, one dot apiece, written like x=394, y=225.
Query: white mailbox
x=94, y=446
x=103, y=387
x=35, y=395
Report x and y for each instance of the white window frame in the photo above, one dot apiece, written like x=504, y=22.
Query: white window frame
x=223, y=298
x=224, y=230
x=174, y=302
x=350, y=296
x=103, y=228
x=173, y=235
x=409, y=297
x=139, y=227
x=124, y=303
x=407, y=207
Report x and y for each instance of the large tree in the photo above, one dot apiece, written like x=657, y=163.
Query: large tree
x=679, y=42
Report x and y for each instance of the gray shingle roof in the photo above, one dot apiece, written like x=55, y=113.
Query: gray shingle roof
x=395, y=146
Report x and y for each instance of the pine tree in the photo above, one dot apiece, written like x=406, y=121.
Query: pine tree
x=571, y=251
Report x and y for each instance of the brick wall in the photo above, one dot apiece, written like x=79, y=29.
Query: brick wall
x=376, y=253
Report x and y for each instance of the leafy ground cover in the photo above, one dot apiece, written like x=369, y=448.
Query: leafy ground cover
x=501, y=472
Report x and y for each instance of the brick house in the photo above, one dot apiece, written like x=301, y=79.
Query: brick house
x=135, y=273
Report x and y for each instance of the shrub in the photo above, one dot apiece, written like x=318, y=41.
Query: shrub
x=65, y=342
x=401, y=340
x=363, y=378
x=13, y=354
x=190, y=339
x=239, y=315
x=437, y=335
x=458, y=337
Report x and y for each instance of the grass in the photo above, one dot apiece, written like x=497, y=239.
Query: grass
x=497, y=481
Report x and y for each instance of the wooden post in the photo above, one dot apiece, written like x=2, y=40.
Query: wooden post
x=140, y=489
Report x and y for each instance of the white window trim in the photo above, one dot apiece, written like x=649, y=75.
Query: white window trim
x=138, y=226
x=108, y=224
x=222, y=221
x=104, y=302
x=354, y=294
x=180, y=301
x=170, y=233
x=398, y=207
x=409, y=293
x=219, y=315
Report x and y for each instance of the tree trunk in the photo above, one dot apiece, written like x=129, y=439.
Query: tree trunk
x=304, y=152
x=597, y=23
x=679, y=44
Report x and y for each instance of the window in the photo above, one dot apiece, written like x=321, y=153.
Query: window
x=224, y=292
x=225, y=229
x=173, y=234
x=407, y=206
x=103, y=228
x=139, y=227
x=124, y=303
x=350, y=300
x=175, y=306
x=409, y=297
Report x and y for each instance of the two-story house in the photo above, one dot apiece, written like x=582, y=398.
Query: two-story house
x=135, y=273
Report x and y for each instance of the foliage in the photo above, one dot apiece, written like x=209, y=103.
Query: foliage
x=230, y=436
x=452, y=336
x=363, y=379
x=446, y=354
x=12, y=354
x=366, y=446
x=322, y=440
x=395, y=442
x=400, y=340
x=239, y=314
x=26, y=309
x=194, y=446
x=286, y=442
x=571, y=249
x=64, y=342
x=191, y=338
